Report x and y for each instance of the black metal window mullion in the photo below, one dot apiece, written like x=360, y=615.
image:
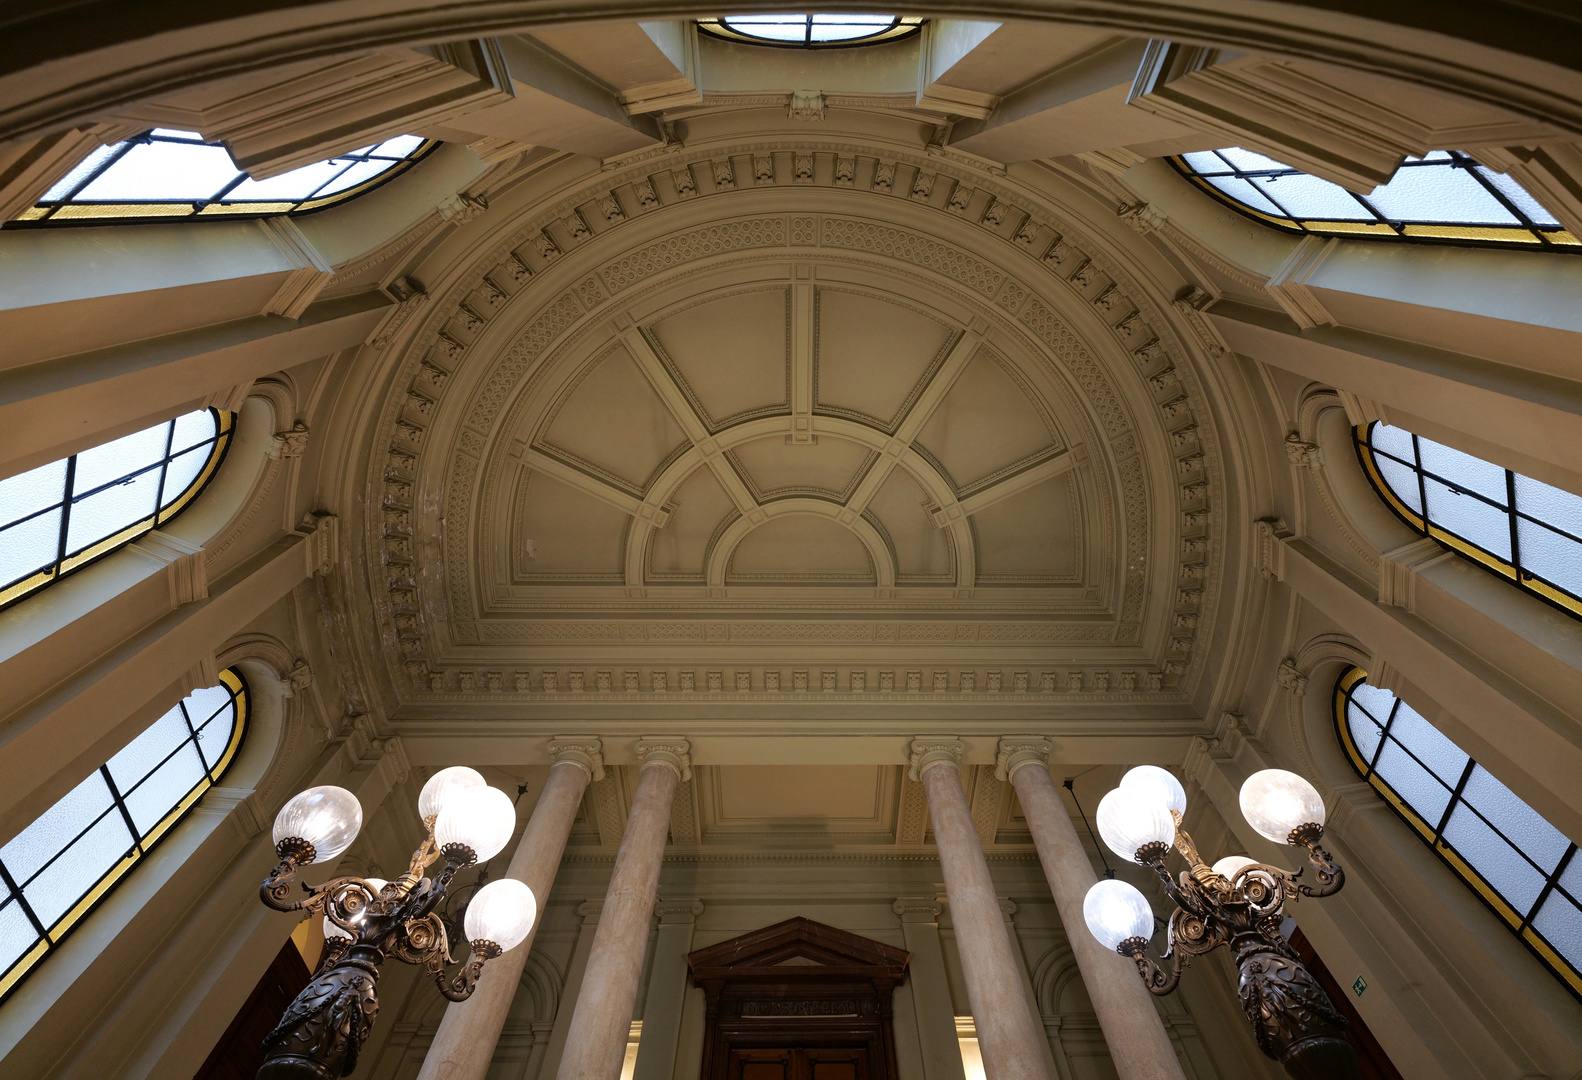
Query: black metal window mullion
x=120, y=804
x=1384, y=734
x=1422, y=484
x=1457, y=799
x=125, y=149
x=1550, y=881
x=1510, y=507
x=1469, y=166
x=65, y=513
x=164, y=469
x=21, y=899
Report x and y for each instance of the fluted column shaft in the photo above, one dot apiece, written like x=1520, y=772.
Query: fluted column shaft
x=1007, y=1035
x=1138, y=1042
x=596, y=1042
x=464, y=1044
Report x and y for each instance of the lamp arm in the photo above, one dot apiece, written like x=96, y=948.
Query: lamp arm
x=461, y=987
x=1159, y=981
x=1328, y=875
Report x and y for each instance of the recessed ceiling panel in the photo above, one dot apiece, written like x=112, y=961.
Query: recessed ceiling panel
x=873, y=355
x=730, y=354
x=613, y=424
x=776, y=469
x=701, y=506
x=985, y=423
x=922, y=551
x=801, y=549
x=566, y=534
x=1032, y=536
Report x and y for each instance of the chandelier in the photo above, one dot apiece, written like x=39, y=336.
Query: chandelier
x=1237, y=902
x=369, y=919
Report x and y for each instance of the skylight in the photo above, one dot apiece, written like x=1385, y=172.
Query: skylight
x=1445, y=195
x=165, y=173
x=811, y=31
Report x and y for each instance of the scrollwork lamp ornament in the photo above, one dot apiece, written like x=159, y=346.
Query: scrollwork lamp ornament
x=1237, y=902
x=367, y=920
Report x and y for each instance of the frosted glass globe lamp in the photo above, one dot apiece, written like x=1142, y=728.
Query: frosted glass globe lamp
x=474, y=824
x=441, y=786
x=1118, y=915
x=1157, y=785
x=1231, y=865
x=1283, y=807
x=318, y=824
x=1135, y=826
x=499, y=916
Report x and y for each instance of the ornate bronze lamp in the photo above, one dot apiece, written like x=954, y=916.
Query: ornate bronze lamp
x=1236, y=902
x=368, y=919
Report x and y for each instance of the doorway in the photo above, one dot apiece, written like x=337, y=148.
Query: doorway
x=799, y=1063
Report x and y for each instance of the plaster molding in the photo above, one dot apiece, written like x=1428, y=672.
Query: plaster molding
x=1288, y=284
x=1018, y=750
x=1400, y=568
x=927, y=751
x=917, y=909
x=582, y=751
x=673, y=752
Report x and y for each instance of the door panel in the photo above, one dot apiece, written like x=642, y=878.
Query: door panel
x=761, y=1065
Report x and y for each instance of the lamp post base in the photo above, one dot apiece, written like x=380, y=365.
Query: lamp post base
x=1294, y=1019
x=322, y=1030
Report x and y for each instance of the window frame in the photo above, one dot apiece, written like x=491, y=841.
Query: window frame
x=49, y=939
x=1509, y=570
x=1528, y=235
x=1519, y=923
x=64, y=564
x=901, y=27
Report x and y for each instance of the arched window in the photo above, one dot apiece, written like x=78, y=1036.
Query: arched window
x=163, y=174
x=811, y=31
x=1445, y=195
x=59, y=517
x=1520, y=865
x=1521, y=529
x=56, y=870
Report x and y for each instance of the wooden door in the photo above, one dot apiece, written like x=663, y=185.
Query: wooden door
x=801, y=1063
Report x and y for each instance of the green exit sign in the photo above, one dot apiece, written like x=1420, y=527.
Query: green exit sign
x=1359, y=986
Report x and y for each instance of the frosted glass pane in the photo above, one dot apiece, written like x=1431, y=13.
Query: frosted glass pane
x=182, y=471
x=1482, y=524
x=169, y=784
x=1512, y=876
x=1402, y=481
x=846, y=27
x=1463, y=470
x=143, y=754
x=1560, y=923
x=1309, y=197
x=170, y=171
x=1244, y=192
x=1518, y=195
x=1392, y=440
x=28, y=546
x=1206, y=163
x=119, y=457
x=205, y=703
x=1248, y=161
x=1521, y=824
x=83, y=170
x=192, y=429
x=1439, y=193
x=296, y=184
x=25, y=493
x=54, y=828
x=1375, y=701
x=1571, y=877
x=398, y=147
x=1548, y=504
x=773, y=27
x=1447, y=760
x=1548, y=555
x=17, y=934
x=1364, y=732
x=64, y=881
x=111, y=510
x=363, y=170
x=1413, y=783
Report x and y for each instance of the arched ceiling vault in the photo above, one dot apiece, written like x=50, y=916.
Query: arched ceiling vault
x=803, y=405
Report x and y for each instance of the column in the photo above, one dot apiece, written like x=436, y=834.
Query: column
x=1007, y=1034
x=1138, y=1042
x=667, y=989
x=596, y=1041
x=464, y=1044
x=936, y=1017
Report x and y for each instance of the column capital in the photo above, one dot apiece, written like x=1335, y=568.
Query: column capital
x=669, y=750
x=678, y=911
x=913, y=906
x=930, y=750
x=584, y=751
x=1019, y=750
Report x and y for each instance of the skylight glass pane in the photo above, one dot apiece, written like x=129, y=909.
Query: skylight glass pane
x=182, y=471
x=1521, y=824
x=1439, y=193
x=1486, y=526
x=1571, y=876
x=1392, y=440
x=177, y=133
x=1307, y=197
x=167, y=786
x=29, y=546
x=1402, y=481
x=203, y=705
x=1377, y=702
x=398, y=147
x=1443, y=757
x=1518, y=195
x=1555, y=558
x=143, y=754
x=60, y=885
x=1243, y=192
x=83, y=170
x=191, y=429
x=1464, y=470
x=1560, y=923
x=1537, y=499
x=1206, y=163
x=17, y=934
x=1250, y=161
x=296, y=184
x=771, y=27
x=31, y=491
x=119, y=457
x=361, y=171
x=54, y=828
x=1364, y=732
x=1512, y=876
x=111, y=510
x=847, y=27
x=1412, y=782
x=163, y=171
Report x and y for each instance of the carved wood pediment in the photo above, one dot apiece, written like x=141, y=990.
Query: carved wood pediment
x=798, y=949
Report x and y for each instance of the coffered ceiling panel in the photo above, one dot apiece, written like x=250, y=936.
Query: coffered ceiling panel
x=853, y=803
x=986, y=423
x=573, y=535
x=611, y=423
x=800, y=548
x=700, y=507
x=775, y=468
x=1032, y=535
x=730, y=354
x=873, y=355
x=922, y=550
